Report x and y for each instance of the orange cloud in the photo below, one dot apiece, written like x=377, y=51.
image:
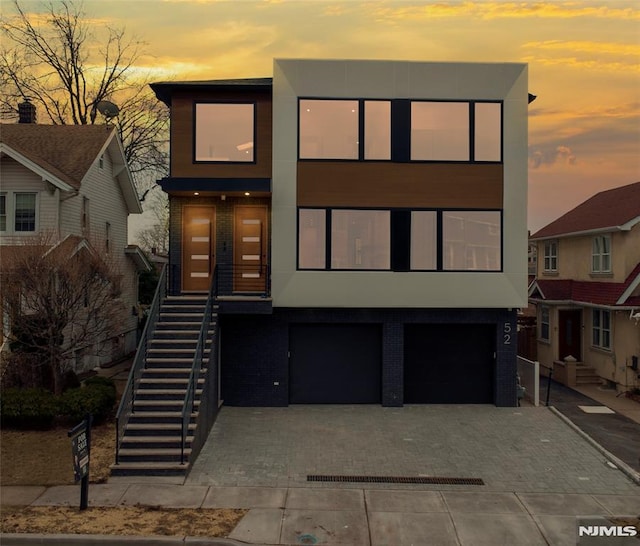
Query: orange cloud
x=506, y=10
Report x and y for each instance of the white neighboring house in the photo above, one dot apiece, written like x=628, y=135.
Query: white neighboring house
x=63, y=181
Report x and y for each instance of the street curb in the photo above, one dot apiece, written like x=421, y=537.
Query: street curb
x=23, y=539
x=622, y=466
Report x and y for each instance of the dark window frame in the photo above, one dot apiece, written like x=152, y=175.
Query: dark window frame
x=252, y=103
x=400, y=129
x=439, y=239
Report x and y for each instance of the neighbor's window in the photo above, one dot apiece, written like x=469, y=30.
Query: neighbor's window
x=471, y=240
x=25, y=212
x=360, y=239
x=488, y=131
x=601, y=328
x=377, y=129
x=424, y=240
x=225, y=132
x=440, y=131
x=84, y=220
x=107, y=237
x=601, y=254
x=544, y=323
x=329, y=129
x=312, y=238
x=3, y=212
x=551, y=255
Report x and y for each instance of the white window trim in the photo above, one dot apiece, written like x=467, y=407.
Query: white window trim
x=601, y=254
x=549, y=257
x=11, y=213
x=548, y=323
x=600, y=329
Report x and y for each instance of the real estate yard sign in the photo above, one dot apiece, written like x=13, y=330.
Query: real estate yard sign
x=81, y=448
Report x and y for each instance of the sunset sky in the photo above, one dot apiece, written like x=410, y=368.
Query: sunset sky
x=584, y=64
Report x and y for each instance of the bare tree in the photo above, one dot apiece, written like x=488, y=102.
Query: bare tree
x=65, y=70
x=156, y=235
x=58, y=299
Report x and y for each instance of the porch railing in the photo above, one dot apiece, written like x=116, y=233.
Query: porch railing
x=208, y=408
x=254, y=279
x=126, y=407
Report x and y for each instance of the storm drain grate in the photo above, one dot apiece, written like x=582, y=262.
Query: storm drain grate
x=427, y=480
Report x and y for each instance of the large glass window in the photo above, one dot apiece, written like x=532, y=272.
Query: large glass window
x=312, y=238
x=360, y=239
x=3, y=212
x=601, y=254
x=471, y=240
x=25, y=212
x=377, y=129
x=488, y=131
x=225, y=132
x=424, y=240
x=329, y=129
x=440, y=131
x=551, y=256
x=601, y=328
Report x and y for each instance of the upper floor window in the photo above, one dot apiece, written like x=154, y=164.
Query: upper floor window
x=360, y=239
x=400, y=130
x=551, y=255
x=107, y=237
x=440, y=131
x=101, y=162
x=601, y=328
x=3, y=212
x=471, y=240
x=225, y=132
x=601, y=254
x=399, y=240
x=84, y=216
x=25, y=212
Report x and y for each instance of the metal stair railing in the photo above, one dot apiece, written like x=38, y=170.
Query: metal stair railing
x=126, y=407
x=210, y=388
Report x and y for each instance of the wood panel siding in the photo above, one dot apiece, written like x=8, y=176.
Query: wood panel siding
x=412, y=185
x=182, y=136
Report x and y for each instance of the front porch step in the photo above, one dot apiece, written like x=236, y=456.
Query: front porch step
x=586, y=375
x=164, y=394
x=150, y=383
x=148, y=417
x=174, y=372
x=155, y=442
x=131, y=455
x=162, y=405
x=149, y=469
x=157, y=429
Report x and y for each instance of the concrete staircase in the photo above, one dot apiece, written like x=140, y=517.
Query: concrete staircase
x=586, y=375
x=151, y=444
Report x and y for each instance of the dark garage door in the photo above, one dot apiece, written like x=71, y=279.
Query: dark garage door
x=335, y=364
x=448, y=363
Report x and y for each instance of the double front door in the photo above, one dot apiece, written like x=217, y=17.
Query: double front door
x=249, y=268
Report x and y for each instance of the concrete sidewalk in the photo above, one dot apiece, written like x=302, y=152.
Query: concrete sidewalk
x=357, y=516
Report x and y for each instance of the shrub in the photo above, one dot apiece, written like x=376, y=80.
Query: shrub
x=100, y=380
x=28, y=408
x=96, y=399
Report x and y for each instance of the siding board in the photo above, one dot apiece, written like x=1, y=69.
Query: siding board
x=387, y=184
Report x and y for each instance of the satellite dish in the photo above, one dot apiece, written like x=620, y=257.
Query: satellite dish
x=108, y=109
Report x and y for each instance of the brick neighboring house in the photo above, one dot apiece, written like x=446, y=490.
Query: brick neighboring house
x=379, y=211
x=587, y=290
x=67, y=184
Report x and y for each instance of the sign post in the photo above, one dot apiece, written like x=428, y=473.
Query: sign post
x=81, y=449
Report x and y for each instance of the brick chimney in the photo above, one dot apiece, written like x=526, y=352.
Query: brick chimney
x=26, y=112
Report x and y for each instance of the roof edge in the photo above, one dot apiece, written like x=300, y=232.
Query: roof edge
x=34, y=167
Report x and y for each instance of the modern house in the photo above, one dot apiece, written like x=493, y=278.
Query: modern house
x=587, y=291
x=360, y=226
x=64, y=184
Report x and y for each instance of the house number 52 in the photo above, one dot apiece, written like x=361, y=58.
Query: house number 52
x=506, y=333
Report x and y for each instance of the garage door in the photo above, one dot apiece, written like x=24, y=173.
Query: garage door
x=335, y=364
x=449, y=363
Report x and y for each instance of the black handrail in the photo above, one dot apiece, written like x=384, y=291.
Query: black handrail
x=190, y=394
x=126, y=407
